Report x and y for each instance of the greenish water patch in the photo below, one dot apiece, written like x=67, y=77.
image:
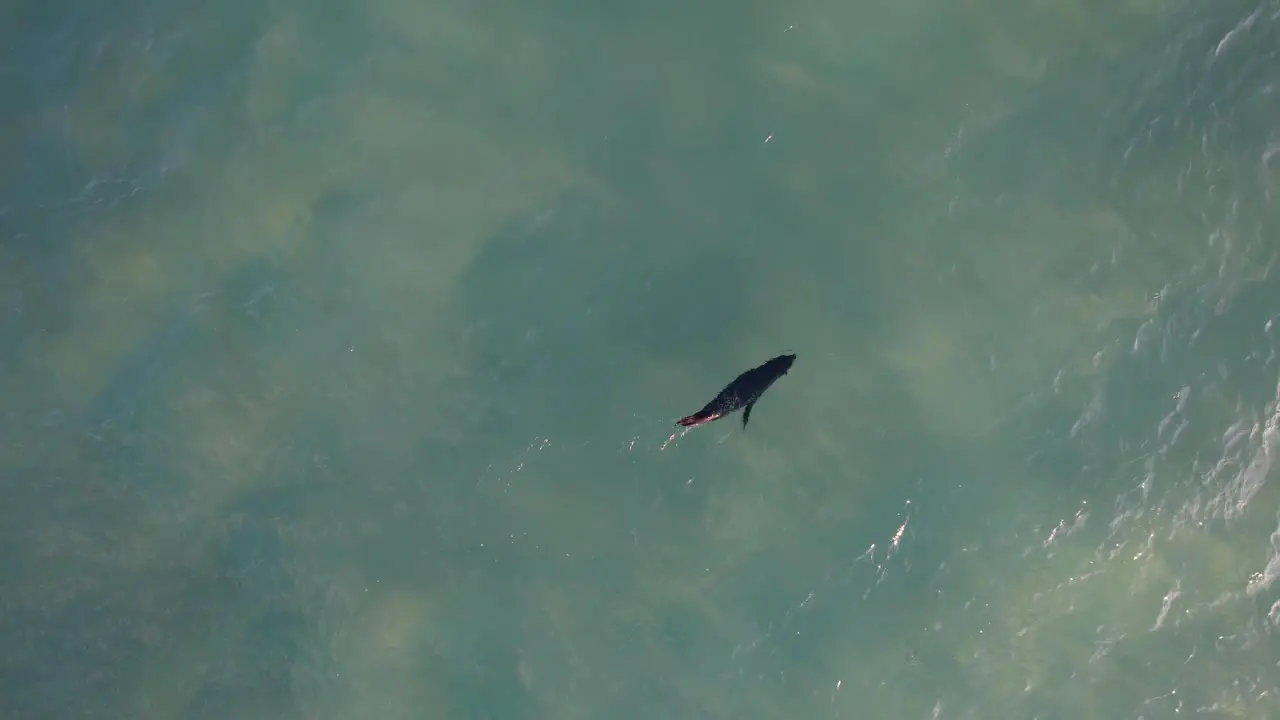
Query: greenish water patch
x=343, y=345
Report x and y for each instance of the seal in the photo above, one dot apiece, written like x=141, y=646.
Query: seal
x=742, y=393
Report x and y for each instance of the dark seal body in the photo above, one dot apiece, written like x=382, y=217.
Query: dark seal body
x=742, y=393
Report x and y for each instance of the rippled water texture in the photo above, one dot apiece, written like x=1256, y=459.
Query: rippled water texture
x=341, y=346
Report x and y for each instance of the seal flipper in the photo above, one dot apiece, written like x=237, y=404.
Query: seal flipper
x=697, y=418
x=746, y=413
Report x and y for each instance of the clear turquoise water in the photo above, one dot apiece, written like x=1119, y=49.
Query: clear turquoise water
x=342, y=342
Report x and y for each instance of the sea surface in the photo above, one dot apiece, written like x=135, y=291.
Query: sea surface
x=341, y=345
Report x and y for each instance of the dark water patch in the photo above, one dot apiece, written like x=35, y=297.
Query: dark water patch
x=252, y=560
x=571, y=281
x=73, y=661
x=260, y=677
x=127, y=49
x=197, y=327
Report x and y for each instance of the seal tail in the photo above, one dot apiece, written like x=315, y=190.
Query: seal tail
x=697, y=419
